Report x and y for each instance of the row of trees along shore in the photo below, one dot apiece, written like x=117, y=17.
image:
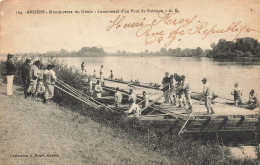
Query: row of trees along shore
x=242, y=47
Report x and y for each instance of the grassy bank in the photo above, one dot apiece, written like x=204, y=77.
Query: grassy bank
x=184, y=151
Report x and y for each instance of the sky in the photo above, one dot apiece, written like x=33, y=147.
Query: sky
x=24, y=33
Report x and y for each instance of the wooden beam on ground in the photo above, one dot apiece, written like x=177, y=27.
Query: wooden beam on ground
x=240, y=121
x=223, y=122
x=206, y=123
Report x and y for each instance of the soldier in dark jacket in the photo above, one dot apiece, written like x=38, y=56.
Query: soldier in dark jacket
x=25, y=74
x=166, y=86
x=10, y=70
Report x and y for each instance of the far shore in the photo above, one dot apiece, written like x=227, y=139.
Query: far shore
x=3, y=56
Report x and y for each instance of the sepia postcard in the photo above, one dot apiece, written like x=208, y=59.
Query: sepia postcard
x=129, y=82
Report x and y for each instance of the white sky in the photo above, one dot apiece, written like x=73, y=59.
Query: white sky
x=44, y=32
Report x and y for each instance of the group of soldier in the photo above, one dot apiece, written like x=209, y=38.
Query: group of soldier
x=176, y=90
x=252, y=102
x=38, y=80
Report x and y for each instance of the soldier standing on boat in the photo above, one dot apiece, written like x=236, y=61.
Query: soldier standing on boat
x=207, y=94
x=83, y=67
x=118, y=98
x=172, y=96
x=132, y=96
x=111, y=75
x=166, y=86
x=145, y=101
x=187, y=92
x=180, y=92
x=25, y=74
x=101, y=77
x=98, y=89
x=237, y=94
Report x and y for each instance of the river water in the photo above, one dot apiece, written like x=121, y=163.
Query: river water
x=220, y=74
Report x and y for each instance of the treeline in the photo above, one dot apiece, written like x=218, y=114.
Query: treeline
x=83, y=52
x=242, y=47
x=178, y=52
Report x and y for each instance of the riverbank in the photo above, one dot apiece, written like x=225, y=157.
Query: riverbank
x=56, y=135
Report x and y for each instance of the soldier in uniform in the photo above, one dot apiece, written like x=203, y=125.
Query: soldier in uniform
x=253, y=100
x=187, y=92
x=237, y=94
x=25, y=74
x=207, y=93
x=166, y=86
x=49, y=78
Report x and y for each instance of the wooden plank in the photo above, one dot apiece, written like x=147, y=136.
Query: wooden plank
x=214, y=131
x=223, y=122
x=205, y=123
x=240, y=121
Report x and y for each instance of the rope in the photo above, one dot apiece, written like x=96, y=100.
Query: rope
x=77, y=94
x=92, y=99
x=76, y=97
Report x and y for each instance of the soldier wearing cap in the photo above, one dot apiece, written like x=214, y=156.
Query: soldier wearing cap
x=207, y=93
x=49, y=78
x=166, y=86
x=40, y=88
x=187, y=92
x=34, y=76
x=237, y=94
x=25, y=74
x=172, y=96
x=180, y=91
x=10, y=70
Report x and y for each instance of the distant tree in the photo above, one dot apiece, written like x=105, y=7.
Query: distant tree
x=118, y=52
x=198, y=51
x=163, y=50
x=242, y=47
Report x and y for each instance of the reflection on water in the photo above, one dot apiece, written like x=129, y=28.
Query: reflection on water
x=238, y=61
x=221, y=74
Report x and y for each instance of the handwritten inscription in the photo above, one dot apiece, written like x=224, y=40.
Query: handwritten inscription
x=178, y=28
